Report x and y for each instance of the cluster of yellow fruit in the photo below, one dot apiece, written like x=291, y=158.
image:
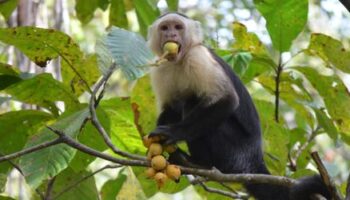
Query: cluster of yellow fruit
x=160, y=169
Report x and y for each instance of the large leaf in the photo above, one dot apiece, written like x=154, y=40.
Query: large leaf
x=42, y=45
x=146, y=13
x=117, y=14
x=16, y=126
x=123, y=130
x=172, y=4
x=7, y=69
x=42, y=90
x=111, y=188
x=247, y=41
x=90, y=137
x=144, y=106
x=47, y=163
x=335, y=95
x=330, y=50
x=68, y=178
x=85, y=11
x=129, y=51
x=284, y=20
x=6, y=7
x=276, y=139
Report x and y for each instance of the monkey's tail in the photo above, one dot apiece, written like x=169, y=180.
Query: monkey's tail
x=303, y=190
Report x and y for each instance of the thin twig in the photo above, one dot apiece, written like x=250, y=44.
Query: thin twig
x=348, y=189
x=293, y=161
x=66, y=189
x=49, y=189
x=325, y=177
x=279, y=71
x=30, y=150
x=221, y=192
x=95, y=121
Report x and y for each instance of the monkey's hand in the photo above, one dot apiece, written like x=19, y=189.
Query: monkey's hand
x=165, y=132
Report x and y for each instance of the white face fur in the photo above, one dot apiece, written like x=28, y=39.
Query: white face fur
x=194, y=71
x=175, y=28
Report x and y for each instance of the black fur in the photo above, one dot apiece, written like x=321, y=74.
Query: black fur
x=220, y=136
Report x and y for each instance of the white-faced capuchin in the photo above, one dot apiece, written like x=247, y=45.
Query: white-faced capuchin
x=201, y=101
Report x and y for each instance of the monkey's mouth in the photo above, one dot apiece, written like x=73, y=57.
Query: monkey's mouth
x=172, y=56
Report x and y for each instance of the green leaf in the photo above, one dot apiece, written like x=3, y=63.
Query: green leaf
x=7, y=80
x=6, y=198
x=103, y=4
x=111, y=188
x=172, y=5
x=327, y=124
x=131, y=189
x=16, y=126
x=146, y=14
x=85, y=11
x=84, y=190
x=129, y=51
x=335, y=95
x=42, y=45
x=117, y=14
x=85, y=67
x=144, y=106
x=123, y=131
x=7, y=69
x=284, y=20
x=47, y=163
x=330, y=50
x=247, y=41
x=90, y=137
x=276, y=139
x=3, y=181
x=42, y=90
x=7, y=7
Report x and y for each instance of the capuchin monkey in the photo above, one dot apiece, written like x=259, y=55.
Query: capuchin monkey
x=202, y=102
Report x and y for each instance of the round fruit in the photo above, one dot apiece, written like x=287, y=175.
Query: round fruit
x=158, y=162
x=171, y=47
x=147, y=141
x=160, y=178
x=170, y=148
x=150, y=172
x=155, y=149
x=173, y=172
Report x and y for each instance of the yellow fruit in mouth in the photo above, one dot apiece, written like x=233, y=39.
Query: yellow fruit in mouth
x=171, y=47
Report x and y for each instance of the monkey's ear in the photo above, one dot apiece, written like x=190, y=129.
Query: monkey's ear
x=196, y=33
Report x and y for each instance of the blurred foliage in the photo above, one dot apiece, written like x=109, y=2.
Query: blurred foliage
x=312, y=91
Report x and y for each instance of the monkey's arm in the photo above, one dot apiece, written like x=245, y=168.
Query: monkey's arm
x=202, y=119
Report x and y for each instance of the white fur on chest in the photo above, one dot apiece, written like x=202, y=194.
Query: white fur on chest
x=198, y=74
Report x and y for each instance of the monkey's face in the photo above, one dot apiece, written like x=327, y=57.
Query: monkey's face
x=172, y=31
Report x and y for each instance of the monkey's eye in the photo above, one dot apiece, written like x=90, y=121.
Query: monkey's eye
x=164, y=28
x=178, y=27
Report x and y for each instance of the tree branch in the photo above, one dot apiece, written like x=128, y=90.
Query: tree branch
x=277, y=88
x=49, y=189
x=83, y=148
x=30, y=150
x=325, y=177
x=95, y=121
